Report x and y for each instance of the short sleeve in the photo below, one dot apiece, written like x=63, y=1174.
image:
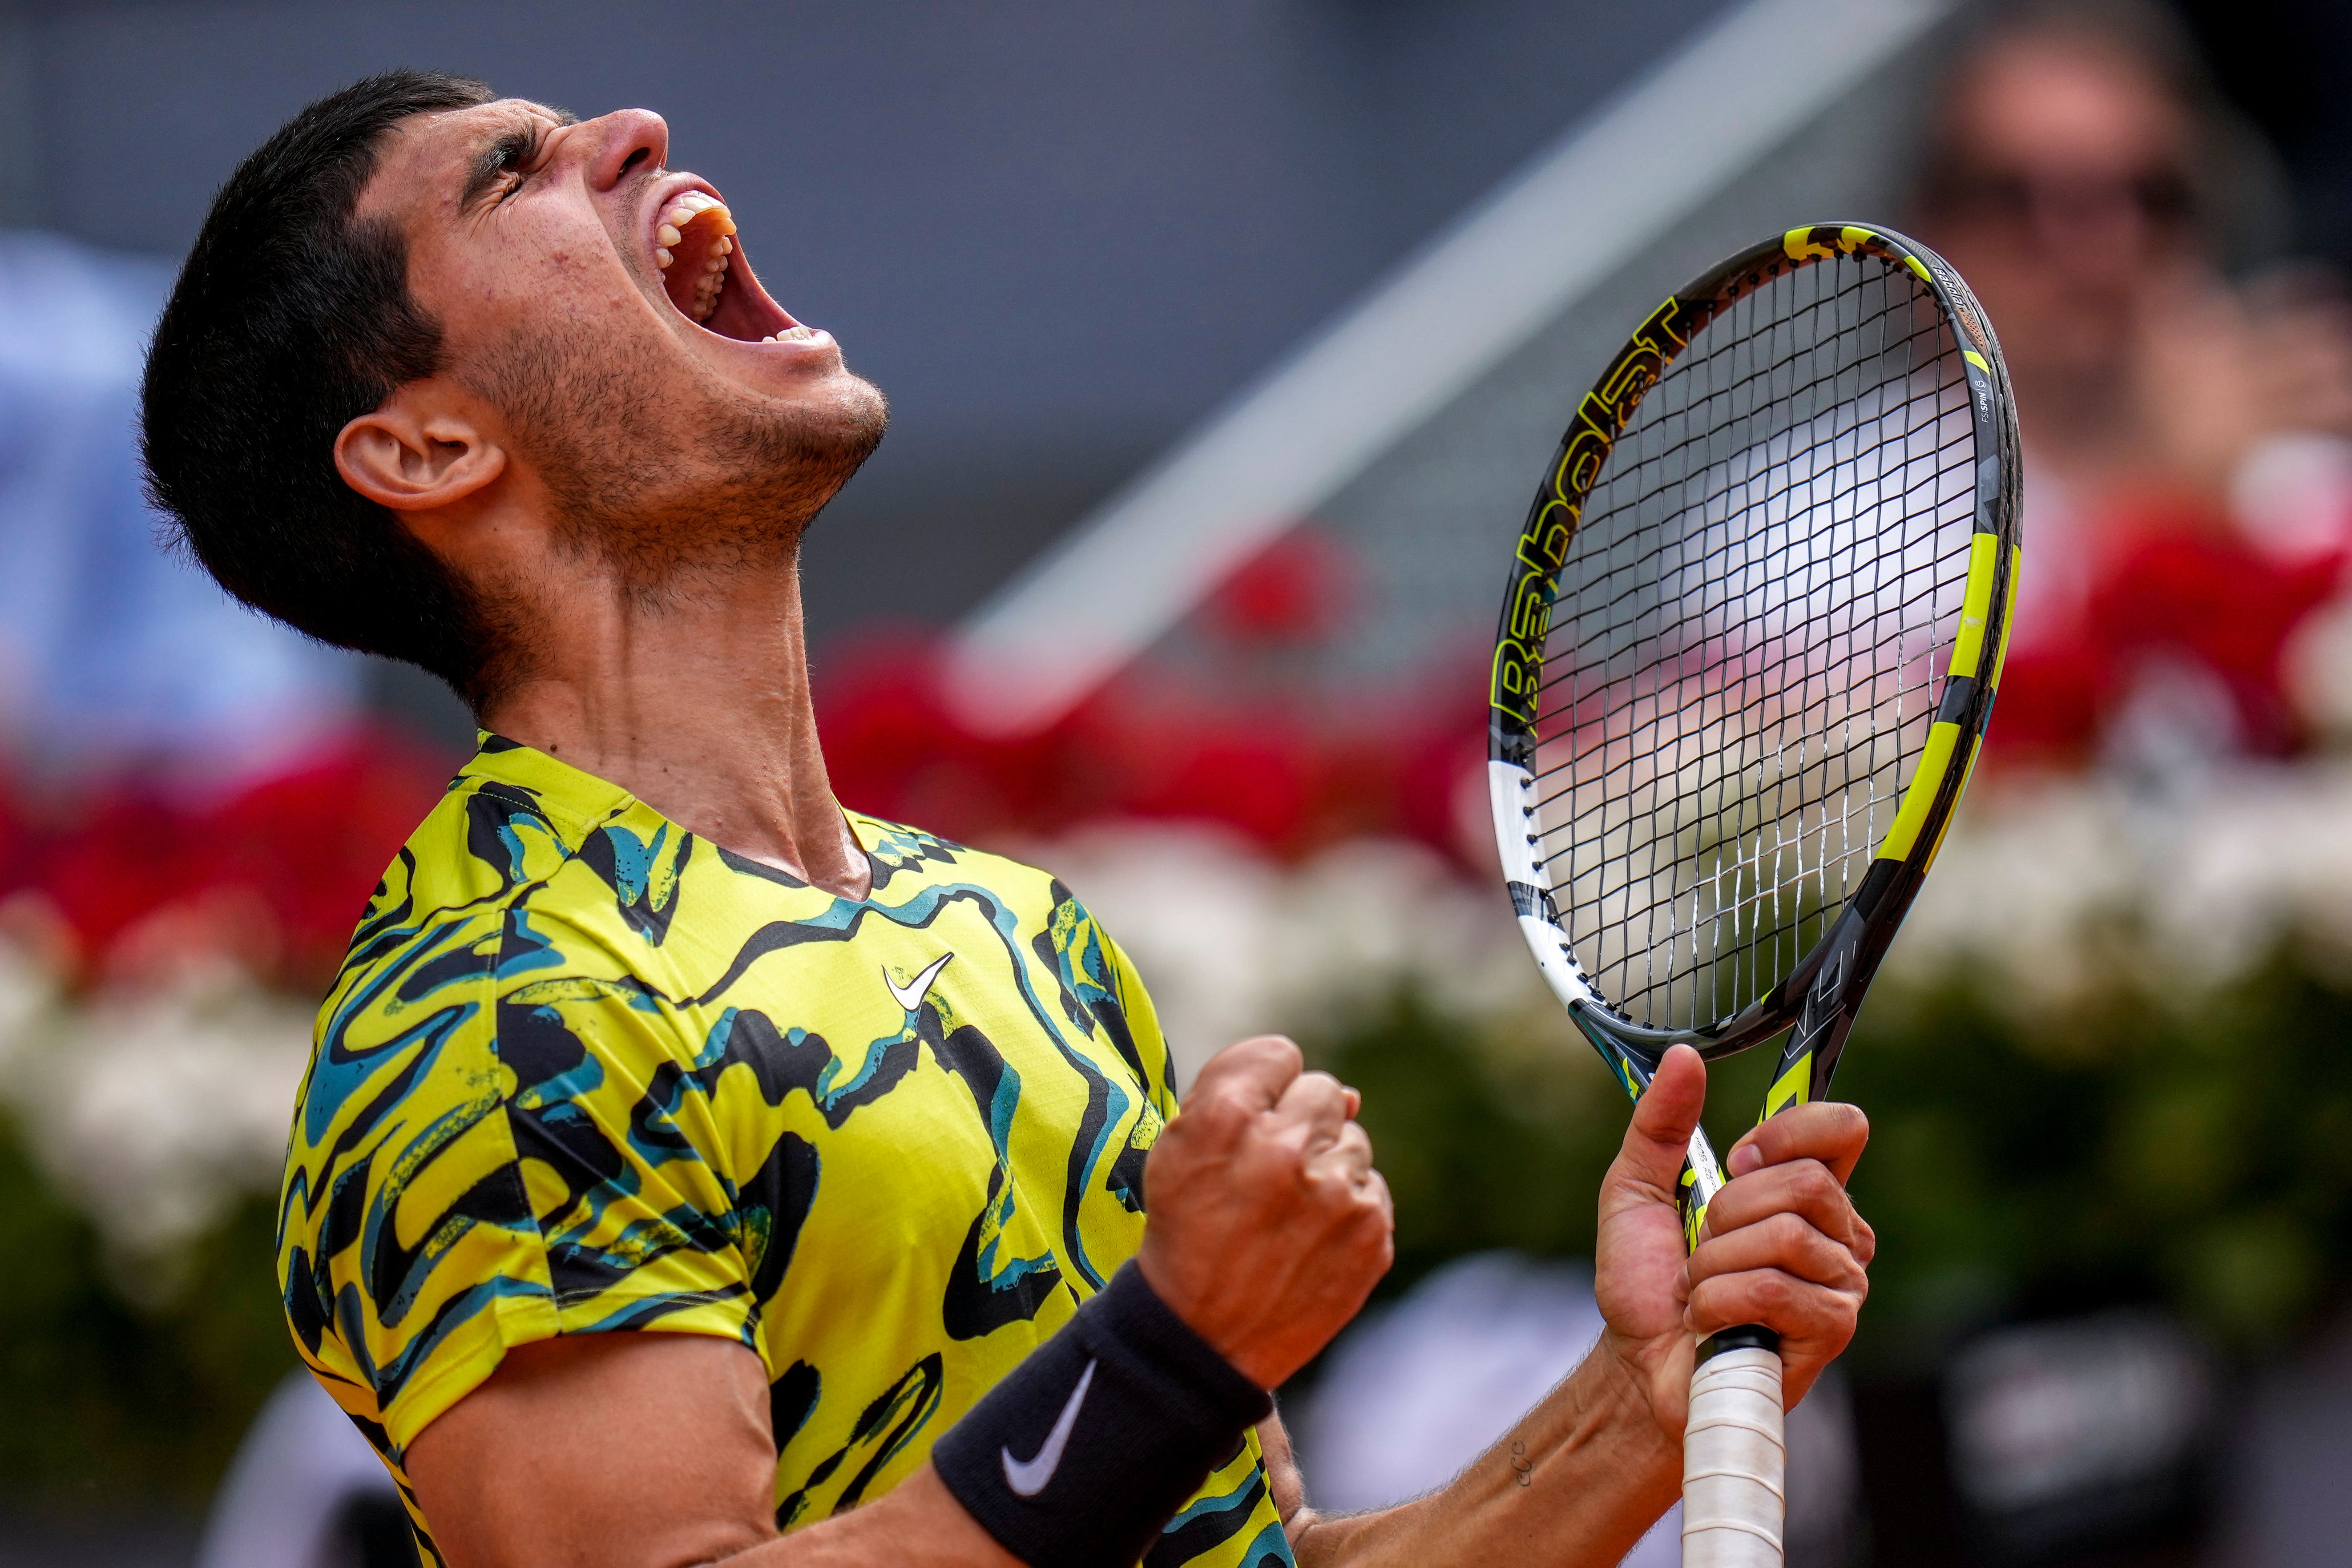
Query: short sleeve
x=500, y=1142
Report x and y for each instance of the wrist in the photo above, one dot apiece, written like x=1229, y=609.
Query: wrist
x=1085, y=1449
x=1629, y=1363
x=1627, y=1377
x=1168, y=1286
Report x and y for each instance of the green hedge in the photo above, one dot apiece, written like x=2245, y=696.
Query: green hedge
x=104, y=1404
x=2198, y=1155
x=2195, y=1154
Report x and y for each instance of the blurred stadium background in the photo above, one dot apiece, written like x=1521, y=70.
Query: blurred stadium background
x=1223, y=340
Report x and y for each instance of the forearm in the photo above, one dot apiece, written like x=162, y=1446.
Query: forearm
x=919, y=1524
x=1574, y=1485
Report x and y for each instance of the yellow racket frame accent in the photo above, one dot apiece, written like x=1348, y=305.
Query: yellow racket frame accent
x=1814, y=1004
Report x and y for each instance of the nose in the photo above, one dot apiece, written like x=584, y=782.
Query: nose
x=628, y=139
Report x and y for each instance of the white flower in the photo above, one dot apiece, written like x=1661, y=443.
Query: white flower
x=156, y=1114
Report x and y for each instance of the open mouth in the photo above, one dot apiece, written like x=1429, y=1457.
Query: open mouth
x=704, y=272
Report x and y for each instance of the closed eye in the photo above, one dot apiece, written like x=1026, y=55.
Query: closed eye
x=503, y=165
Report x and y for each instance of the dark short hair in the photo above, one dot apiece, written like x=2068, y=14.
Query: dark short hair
x=290, y=319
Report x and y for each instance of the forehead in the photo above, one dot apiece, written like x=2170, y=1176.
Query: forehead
x=2034, y=96
x=426, y=159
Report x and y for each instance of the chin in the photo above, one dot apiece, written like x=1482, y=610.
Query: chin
x=858, y=408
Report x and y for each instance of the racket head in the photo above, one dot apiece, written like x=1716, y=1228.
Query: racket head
x=1751, y=639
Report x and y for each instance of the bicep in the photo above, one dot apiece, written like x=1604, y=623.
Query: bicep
x=638, y=1449
x=651, y=1450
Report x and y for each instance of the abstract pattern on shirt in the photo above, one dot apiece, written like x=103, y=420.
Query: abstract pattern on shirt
x=585, y=1071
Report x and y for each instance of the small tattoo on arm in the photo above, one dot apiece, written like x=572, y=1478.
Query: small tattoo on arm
x=1521, y=1464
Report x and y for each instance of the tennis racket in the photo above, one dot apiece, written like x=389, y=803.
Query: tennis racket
x=1752, y=633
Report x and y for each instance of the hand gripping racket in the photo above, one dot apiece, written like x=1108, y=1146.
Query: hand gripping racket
x=1751, y=641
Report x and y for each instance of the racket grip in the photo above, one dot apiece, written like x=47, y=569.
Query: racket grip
x=1734, y=1455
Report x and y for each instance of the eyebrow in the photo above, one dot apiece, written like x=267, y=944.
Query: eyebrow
x=515, y=146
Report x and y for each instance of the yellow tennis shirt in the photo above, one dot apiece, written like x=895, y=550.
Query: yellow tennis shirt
x=584, y=1071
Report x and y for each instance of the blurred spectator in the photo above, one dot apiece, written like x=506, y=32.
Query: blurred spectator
x=2073, y=1435
x=306, y=1491
x=179, y=777
x=114, y=651
x=2187, y=439
x=2288, y=1505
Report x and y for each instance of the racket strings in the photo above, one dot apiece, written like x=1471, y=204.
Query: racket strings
x=1930, y=328
x=1757, y=611
x=1635, y=570
x=1636, y=588
x=1762, y=846
x=1924, y=591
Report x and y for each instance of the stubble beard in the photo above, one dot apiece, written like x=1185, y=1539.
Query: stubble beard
x=662, y=514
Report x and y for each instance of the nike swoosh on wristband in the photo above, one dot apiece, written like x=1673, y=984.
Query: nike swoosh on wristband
x=1028, y=1477
x=910, y=996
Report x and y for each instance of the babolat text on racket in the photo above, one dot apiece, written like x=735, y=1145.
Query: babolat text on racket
x=1753, y=629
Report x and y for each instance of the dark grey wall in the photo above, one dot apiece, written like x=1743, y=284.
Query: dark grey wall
x=1055, y=231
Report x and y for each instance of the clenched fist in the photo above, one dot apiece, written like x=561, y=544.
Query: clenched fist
x=1269, y=1225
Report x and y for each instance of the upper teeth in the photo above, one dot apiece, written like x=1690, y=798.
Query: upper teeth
x=688, y=208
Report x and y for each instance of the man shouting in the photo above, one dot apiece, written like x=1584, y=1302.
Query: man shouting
x=690, y=1171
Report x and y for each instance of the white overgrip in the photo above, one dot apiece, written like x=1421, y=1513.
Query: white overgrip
x=1733, y=1463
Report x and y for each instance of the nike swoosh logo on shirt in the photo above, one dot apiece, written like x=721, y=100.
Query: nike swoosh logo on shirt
x=1028, y=1477
x=910, y=996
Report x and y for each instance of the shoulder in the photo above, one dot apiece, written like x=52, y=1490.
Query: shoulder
x=480, y=893
x=496, y=833
x=906, y=860
x=902, y=855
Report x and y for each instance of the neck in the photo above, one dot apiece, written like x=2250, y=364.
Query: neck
x=700, y=708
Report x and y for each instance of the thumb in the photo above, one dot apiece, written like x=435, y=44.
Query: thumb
x=1663, y=1120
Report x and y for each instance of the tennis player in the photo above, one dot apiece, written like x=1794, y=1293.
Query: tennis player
x=690, y=1171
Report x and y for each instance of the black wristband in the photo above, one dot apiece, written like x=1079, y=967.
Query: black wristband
x=1091, y=1445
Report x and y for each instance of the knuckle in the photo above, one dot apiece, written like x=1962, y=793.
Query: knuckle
x=1814, y=1186
x=1330, y=1181
x=1791, y=1234
x=1771, y=1290
x=1281, y=1051
x=1263, y=1165
x=1221, y=1113
x=1286, y=1160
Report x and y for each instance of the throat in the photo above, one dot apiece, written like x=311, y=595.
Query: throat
x=702, y=709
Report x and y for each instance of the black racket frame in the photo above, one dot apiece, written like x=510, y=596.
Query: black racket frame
x=1815, y=1003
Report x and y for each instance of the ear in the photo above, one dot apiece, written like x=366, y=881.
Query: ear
x=423, y=450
